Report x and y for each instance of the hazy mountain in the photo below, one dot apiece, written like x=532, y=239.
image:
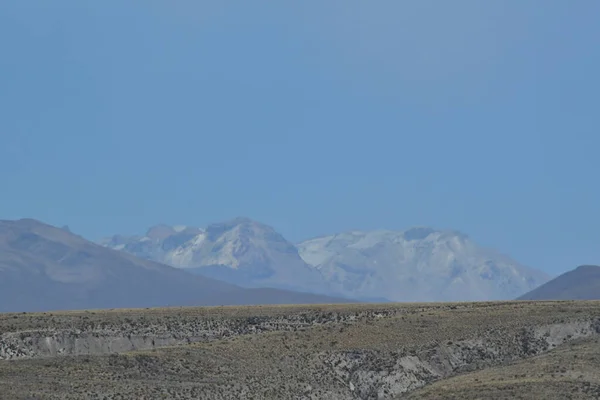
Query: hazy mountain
x=419, y=264
x=239, y=251
x=45, y=268
x=582, y=283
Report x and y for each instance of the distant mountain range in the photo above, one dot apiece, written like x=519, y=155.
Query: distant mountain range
x=582, y=283
x=245, y=262
x=419, y=264
x=240, y=251
x=47, y=268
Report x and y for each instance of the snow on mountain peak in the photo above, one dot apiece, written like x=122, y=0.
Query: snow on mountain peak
x=240, y=250
x=417, y=264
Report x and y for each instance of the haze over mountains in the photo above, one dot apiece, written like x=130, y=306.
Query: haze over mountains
x=240, y=251
x=47, y=268
x=419, y=264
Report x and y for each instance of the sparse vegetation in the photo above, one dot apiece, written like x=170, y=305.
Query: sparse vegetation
x=568, y=372
x=313, y=352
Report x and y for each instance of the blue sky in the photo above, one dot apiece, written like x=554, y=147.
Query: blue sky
x=313, y=117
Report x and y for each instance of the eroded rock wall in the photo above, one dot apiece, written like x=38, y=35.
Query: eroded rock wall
x=142, y=334
x=381, y=375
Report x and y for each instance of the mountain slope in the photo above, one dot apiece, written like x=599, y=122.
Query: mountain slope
x=419, y=264
x=240, y=251
x=45, y=268
x=582, y=283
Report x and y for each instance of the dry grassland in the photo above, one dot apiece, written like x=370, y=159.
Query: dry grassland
x=358, y=351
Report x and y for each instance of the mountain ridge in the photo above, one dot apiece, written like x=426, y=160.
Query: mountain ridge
x=239, y=251
x=581, y=283
x=47, y=268
x=418, y=264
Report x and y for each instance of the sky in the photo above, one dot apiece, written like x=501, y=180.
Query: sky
x=314, y=117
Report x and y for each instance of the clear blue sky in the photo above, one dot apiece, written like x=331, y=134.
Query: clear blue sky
x=312, y=116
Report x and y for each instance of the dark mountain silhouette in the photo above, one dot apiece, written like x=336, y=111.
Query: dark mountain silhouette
x=582, y=283
x=48, y=268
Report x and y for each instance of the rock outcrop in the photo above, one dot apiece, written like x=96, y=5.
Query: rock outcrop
x=324, y=352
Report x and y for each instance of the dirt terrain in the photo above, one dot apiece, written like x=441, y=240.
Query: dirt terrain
x=570, y=371
x=356, y=351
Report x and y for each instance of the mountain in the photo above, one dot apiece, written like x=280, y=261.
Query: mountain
x=48, y=268
x=419, y=264
x=240, y=251
x=582, y=283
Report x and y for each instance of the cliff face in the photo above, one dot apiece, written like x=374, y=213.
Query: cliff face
x=380, y=375
x=335, y=352
x=141, y=333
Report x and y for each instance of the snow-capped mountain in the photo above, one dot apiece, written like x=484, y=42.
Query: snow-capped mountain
x=419, y=264
x=239, y=251
x=44, y=268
